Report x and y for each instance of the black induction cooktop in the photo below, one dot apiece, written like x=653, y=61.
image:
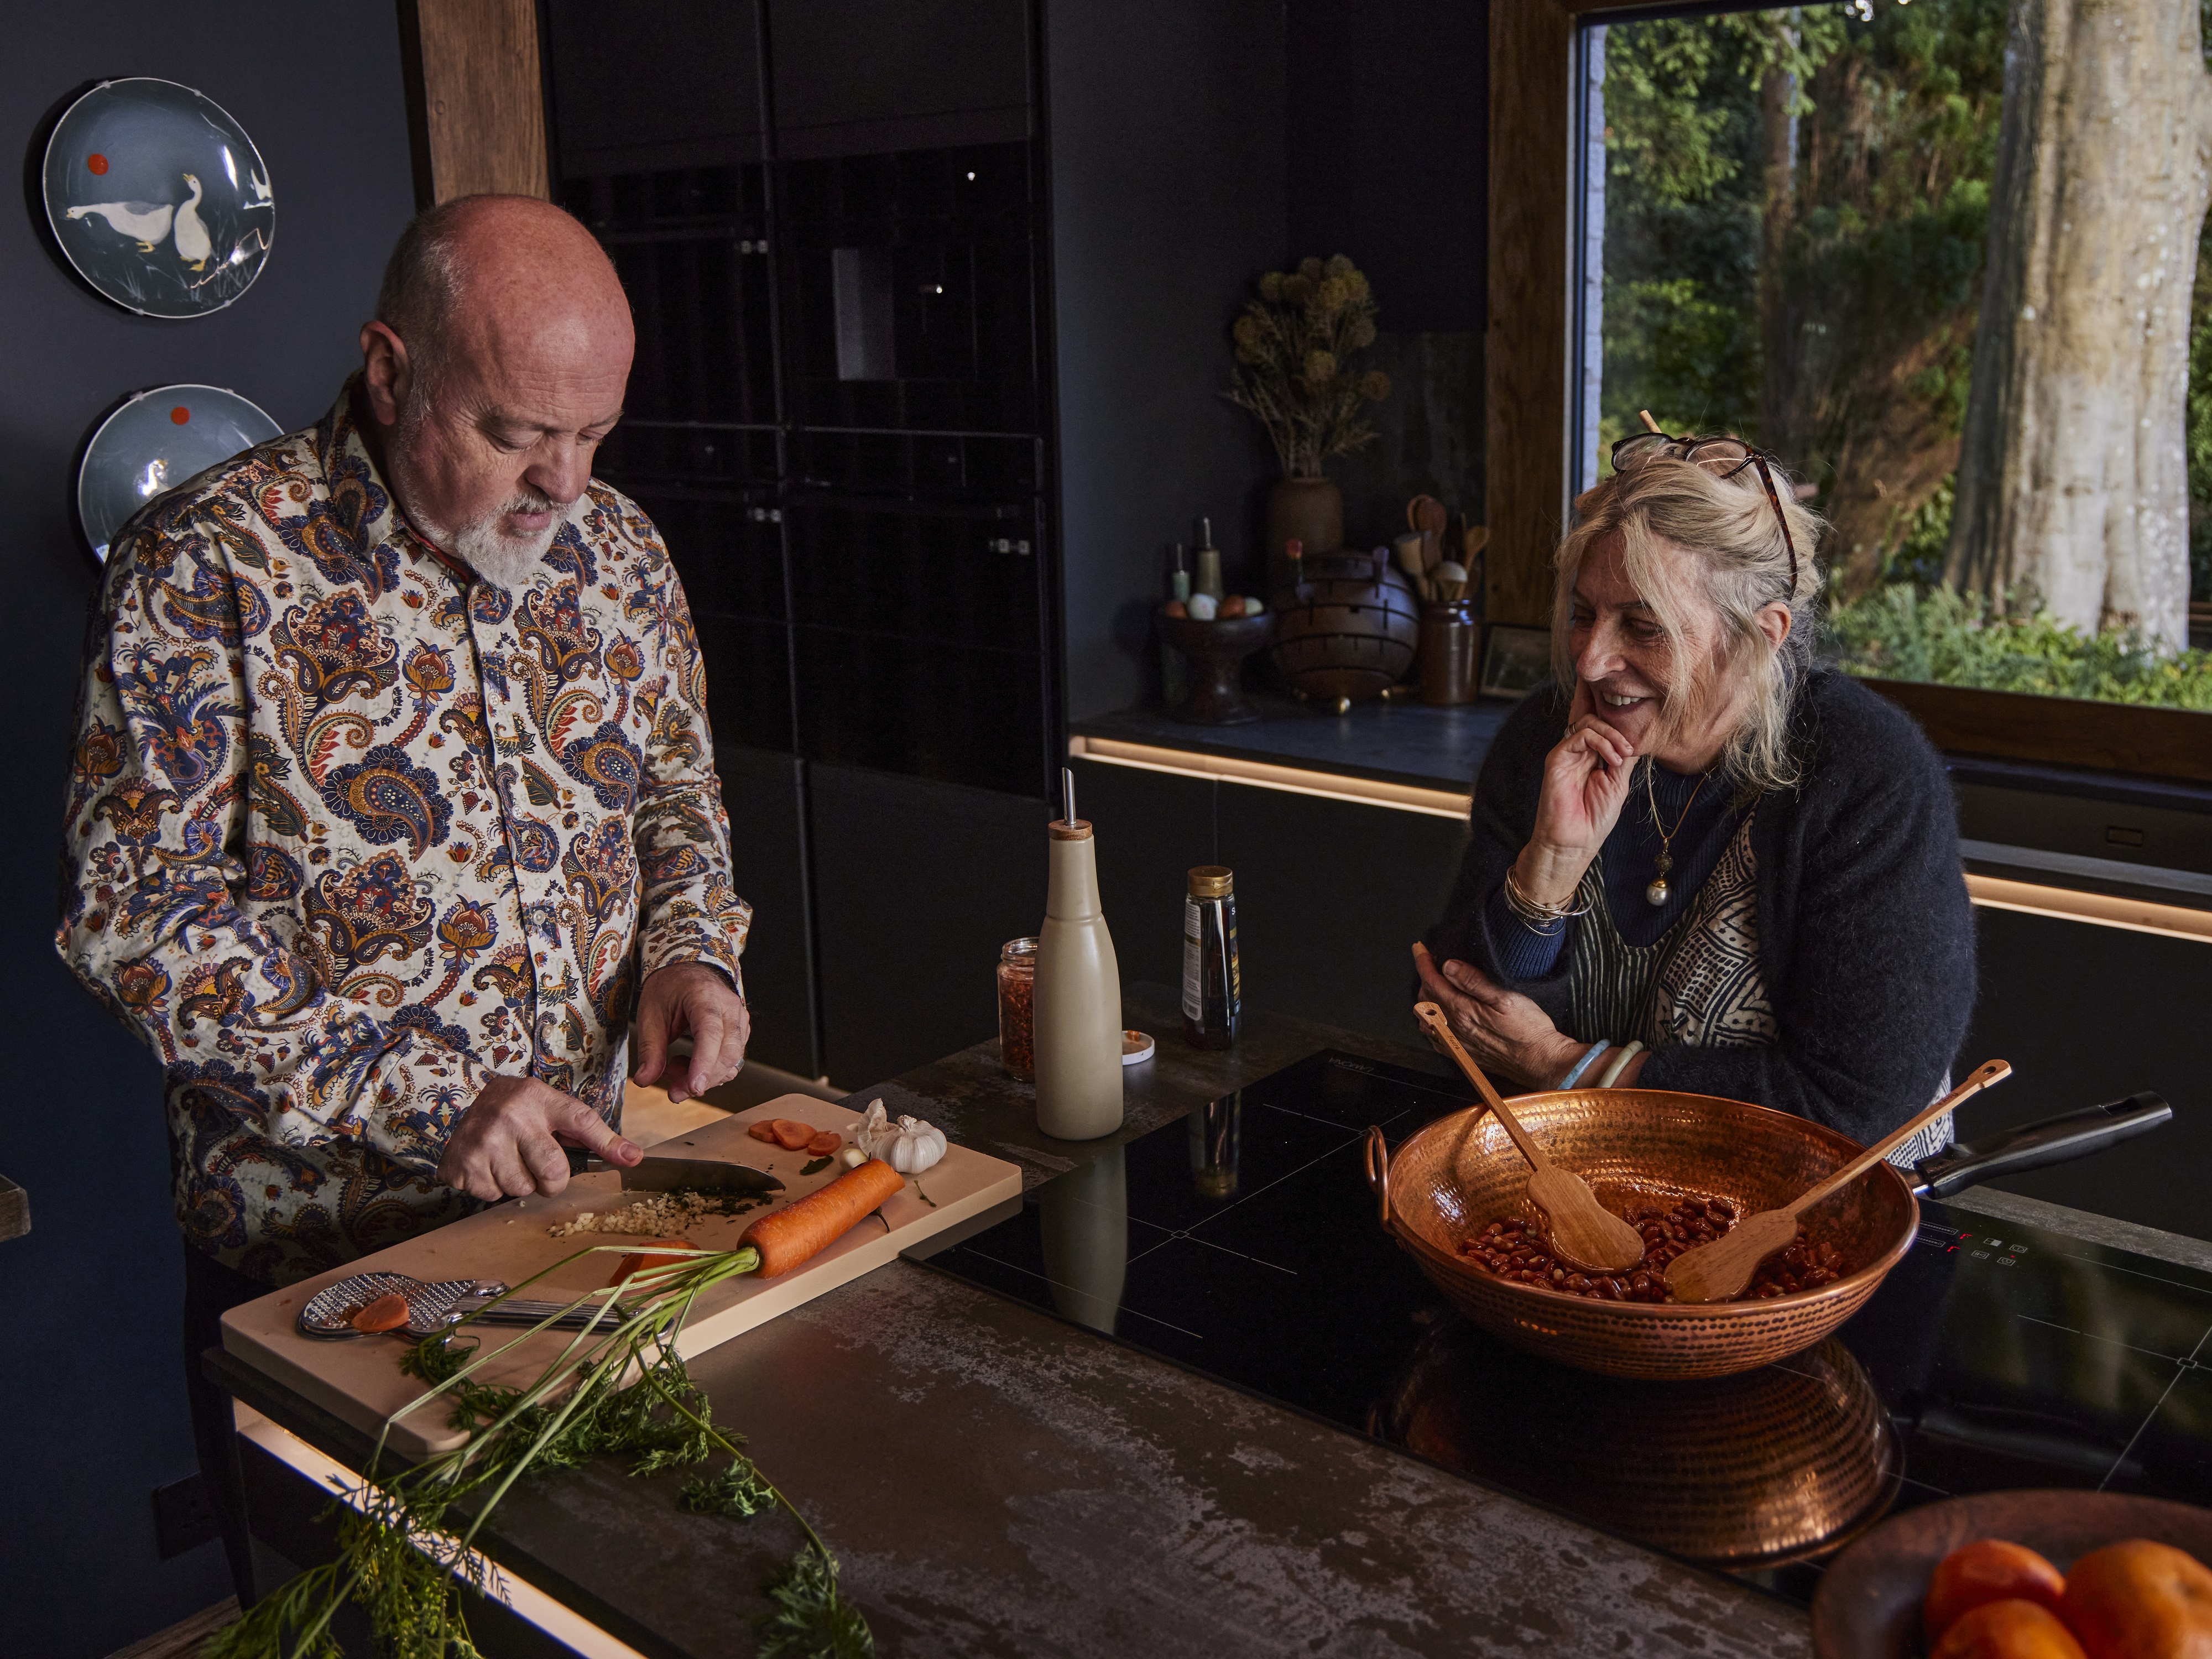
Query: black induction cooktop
x=1242, y=1242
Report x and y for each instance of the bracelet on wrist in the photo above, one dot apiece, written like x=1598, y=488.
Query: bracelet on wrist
x=1575, y=1072
x=1620, y=1063
x=1534, y=912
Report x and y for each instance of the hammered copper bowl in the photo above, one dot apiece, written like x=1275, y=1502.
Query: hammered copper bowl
x=1784, y=1463
x=1637, y=1146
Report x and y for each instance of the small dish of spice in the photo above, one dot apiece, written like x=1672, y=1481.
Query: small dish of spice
x=1017, y=1005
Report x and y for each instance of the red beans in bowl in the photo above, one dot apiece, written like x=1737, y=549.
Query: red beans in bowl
x=1517, y=1250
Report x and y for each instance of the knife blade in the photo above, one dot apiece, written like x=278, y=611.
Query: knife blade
x=699, y=1175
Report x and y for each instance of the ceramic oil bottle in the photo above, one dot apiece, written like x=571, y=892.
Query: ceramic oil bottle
x=1077, y=1008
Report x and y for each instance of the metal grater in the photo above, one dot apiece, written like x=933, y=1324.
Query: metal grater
x=434, y=1307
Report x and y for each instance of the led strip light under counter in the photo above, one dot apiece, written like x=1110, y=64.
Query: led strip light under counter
x=2032, y=899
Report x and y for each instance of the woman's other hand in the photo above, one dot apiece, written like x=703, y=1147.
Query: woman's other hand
x=1503, y=1032
x=1586, y=779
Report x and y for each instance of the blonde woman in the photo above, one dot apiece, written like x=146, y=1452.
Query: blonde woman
x=1706, y=864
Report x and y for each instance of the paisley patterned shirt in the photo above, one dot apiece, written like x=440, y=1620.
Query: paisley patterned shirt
x=352, y=832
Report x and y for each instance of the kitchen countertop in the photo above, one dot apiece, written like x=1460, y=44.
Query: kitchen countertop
x=996, y=1481
x=1391, y=742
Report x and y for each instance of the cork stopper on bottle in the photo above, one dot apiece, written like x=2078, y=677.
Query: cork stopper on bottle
x=1061, y=829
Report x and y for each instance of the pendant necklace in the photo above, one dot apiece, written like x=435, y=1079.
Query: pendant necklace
x=1657, y=893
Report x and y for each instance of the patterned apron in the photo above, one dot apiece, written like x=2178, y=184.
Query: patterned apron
x=1699, y=984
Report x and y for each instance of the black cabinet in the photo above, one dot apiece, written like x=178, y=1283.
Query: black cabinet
x=1330, y=894
x=869, y=76
x=825, y=214
x=909, y=295
x=916, y=886
x=640, y=85
x=764, y=795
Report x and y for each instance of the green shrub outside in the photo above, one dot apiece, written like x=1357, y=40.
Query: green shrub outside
x=1908, y=630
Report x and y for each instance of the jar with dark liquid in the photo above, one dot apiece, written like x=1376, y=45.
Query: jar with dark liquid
x=1213, y=983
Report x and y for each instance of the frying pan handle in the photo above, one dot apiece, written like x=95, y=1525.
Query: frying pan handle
x=2032, y=1145
x=1375, y=1154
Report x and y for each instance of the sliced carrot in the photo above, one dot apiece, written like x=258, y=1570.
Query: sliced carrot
x=647, y=1260
x=763, y=1130
x=386, y=1313
x=826, y=1143
x=791, y=1134
x=800, y=1231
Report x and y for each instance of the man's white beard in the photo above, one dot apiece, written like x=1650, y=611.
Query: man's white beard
x=506, y=560
x=498, y=557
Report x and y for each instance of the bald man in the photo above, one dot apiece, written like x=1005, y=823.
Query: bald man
x=393, y=801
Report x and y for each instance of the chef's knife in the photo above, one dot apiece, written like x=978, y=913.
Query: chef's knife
x=712, y=1175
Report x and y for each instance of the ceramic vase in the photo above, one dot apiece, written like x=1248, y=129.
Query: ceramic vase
x=1307, y=510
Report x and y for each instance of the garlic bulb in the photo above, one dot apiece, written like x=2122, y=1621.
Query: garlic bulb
x=908, y=1145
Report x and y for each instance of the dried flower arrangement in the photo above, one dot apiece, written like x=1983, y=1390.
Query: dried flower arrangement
x=1294, y=346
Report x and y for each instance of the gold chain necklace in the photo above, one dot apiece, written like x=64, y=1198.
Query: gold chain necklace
x=1657, y=893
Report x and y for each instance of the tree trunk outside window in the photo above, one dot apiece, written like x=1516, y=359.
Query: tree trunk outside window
x=2073, y=482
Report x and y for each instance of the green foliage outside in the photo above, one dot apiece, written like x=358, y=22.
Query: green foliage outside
x=1892, y=134
x=1869, y=332
x=1906, y=631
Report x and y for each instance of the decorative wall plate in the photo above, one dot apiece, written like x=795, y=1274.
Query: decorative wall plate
x=158, y=198
x=152, y=442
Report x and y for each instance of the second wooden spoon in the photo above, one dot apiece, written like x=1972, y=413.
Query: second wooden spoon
x=1583, y=1231
x=1717, y=1271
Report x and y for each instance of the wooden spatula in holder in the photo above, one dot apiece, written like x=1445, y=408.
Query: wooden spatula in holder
x=1583, y=1231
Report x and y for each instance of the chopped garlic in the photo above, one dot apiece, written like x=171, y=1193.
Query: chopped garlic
x=662, y=1214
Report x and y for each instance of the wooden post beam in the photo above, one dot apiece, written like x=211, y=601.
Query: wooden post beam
x=476, y=100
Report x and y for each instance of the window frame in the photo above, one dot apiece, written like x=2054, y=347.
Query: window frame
x=1531, y=362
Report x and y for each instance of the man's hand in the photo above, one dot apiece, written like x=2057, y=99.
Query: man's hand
x=690, y=999
x=507, y=1144
x=1503, y=1032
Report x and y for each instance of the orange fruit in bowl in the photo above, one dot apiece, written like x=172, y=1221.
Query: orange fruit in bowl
x=1987, y=1570
x=2137, y=1599
x=2011, y=1629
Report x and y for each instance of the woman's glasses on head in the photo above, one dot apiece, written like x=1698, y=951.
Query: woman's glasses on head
x=1724, y=457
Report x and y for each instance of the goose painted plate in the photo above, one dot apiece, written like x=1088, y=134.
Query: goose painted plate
x=152, y=443
x=158, y=198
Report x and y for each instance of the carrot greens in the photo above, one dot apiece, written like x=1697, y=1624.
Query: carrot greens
x=406, y=1536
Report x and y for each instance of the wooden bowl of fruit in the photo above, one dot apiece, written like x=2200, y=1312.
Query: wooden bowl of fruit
x=1215, y=637
x=2023, y=1575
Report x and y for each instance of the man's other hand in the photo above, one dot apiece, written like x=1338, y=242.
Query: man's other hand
x=690, y=999
x=507, y=1144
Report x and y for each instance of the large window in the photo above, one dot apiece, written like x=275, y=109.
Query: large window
x=1790, y=220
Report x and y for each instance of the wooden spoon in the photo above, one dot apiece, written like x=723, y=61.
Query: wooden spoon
x=1717, y=1271
x=1428, y=515
x=1583, y=1231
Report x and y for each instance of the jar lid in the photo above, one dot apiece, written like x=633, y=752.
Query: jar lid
x=1212, y=881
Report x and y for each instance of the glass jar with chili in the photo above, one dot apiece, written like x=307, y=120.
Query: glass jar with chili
x=1018, y=960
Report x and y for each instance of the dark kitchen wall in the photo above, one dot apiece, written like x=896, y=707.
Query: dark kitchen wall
x=1193, y=147
x=1166, y=123
x=1388, y=162
x=91, y=1407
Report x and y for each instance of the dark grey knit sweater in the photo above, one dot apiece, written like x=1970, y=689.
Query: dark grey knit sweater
x=1866, y=937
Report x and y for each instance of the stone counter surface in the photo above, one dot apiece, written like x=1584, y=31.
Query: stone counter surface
x=993, y=1481
x=996, y=1482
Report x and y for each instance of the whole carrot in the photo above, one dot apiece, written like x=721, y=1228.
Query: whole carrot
x=788, y=1236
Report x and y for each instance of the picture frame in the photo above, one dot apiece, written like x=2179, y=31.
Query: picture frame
x=1514, y=660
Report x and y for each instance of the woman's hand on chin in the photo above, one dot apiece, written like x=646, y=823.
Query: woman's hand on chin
x=1503, y=1032
x=1586, y=779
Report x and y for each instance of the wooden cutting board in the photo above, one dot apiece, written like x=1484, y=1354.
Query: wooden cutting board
x=358, y=1378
